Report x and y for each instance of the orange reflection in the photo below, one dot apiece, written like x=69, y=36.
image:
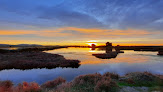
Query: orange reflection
x=85, y=56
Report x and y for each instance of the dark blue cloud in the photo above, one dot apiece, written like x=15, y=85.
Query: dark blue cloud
x=111, y=14
x=127, y=13
x=69, y=17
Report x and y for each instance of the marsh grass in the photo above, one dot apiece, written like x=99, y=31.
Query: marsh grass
x=93, y=83
x=108, y=82
x=156, y=89
x=34, y=59
x=141, y=79
x=53, y=83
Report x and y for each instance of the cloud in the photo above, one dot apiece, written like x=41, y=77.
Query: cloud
x=108, y=32
x=135, y=14
x=108, y=14
x=69, y=17
x=37, y=33
x=80, y=32
x=81, y=19
x=20, y=32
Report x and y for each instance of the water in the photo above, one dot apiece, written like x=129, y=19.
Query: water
x=129, y=61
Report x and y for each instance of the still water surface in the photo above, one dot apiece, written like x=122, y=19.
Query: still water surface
x=130, y=61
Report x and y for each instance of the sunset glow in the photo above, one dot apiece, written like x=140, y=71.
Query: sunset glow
x=81, y=45
x=77, y=24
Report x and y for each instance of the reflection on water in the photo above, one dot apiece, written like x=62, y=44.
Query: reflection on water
x=85, y=55
x=129, y=61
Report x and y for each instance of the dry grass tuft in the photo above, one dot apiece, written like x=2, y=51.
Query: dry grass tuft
x=27, y=87
x=6, y=86
x=111, y=75
x=105, y=85
x=53, y=83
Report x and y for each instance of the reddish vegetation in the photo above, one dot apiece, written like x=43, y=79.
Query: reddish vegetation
x=111, y=75
x=105, y=85
x=108, y=82
x=145, y=76
x=92, y=82
x=54, y=83
x=160, y=76
x=130, y=81
x=6, y=86
x=27, y=87
x=90, y=78
x=34, y=59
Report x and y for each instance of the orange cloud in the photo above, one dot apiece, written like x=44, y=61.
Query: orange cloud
x=46, y=33
x=87, y=32
x=113, y=35
x=94, y=32
x=19, y=32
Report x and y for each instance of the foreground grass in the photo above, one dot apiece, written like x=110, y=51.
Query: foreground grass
x=140, y=79
x=107, y=82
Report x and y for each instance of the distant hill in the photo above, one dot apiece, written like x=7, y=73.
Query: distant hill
x=28, y=45
x=4, y=45
x=19, y=45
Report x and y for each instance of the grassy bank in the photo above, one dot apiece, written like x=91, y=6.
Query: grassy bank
x=108, y=82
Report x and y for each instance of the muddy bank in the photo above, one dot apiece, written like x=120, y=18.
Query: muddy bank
x=34, y=59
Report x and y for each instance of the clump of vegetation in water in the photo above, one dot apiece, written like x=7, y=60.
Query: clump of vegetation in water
x=108, y=82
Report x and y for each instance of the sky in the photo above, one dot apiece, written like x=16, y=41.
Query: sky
x=78, y=22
